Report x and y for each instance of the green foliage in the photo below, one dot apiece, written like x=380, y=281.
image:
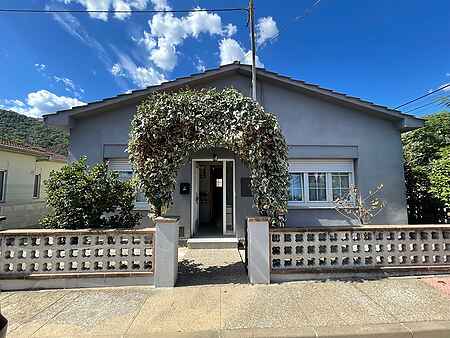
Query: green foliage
x=169, y=127
x=22, y=129
x=79, y=198
x=440, y=176
x=422, y=150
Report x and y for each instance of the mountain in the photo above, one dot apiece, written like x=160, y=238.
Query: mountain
x=19, y=128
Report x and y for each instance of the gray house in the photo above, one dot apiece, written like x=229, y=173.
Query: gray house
x=334, y=141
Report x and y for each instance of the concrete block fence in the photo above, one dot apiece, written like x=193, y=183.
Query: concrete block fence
x=47, y=258
x=284, y=254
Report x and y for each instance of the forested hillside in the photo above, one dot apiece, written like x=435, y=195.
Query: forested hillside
x=19, y=128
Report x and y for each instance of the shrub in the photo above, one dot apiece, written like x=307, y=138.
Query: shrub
x=81, y=197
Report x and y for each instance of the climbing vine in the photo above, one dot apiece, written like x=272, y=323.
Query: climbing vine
x=168, y=127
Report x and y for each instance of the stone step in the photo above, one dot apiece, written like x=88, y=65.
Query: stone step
x=212, y=243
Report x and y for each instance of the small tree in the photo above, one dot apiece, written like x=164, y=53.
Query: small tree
x=81, y=197
x=354, y=206
x=440, y=176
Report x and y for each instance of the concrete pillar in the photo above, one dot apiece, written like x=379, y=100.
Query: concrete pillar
x=258, y=250
x=166, y=252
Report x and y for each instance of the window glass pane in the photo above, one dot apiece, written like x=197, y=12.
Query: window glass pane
x=296, y=187
x=340, y=185
x=140, y=196
x=125, y=175
x=2, y=185
x=37, y=185
x=317, y=186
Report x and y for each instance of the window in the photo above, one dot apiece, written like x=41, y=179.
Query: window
x=317, y=183
x=296, y=187
x=2, y=185
x=340, y=184
x=37, y=186
x=123, y=168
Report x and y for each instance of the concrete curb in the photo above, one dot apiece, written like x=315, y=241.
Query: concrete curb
x=432, y=329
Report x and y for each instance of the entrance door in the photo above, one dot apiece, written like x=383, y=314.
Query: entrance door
x=195, y=198
x=213, y=195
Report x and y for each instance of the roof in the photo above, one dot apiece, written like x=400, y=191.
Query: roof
x=262, y=73
x=27, y=149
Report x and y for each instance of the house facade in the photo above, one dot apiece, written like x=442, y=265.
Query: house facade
x=335, y=141
x=23, y=171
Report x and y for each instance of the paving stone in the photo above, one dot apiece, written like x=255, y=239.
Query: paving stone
x=97, y=311
x=299, y=332
x=31, y=325
x=211, y=267
x=429, y=329
x=408, y=300
x=22, y=306
x=186, y=309
x=366, y=331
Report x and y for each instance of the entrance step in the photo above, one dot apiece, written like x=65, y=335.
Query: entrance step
x=212, y=243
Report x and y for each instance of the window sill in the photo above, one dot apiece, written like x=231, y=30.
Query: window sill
x=293, y=207
x=312, y=206
x=141, y=207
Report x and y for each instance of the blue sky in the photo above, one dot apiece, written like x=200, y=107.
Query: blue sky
x=383, y=51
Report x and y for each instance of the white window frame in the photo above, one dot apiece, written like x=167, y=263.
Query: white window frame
x=3, y=190
x=123, y=164
x=328, y=167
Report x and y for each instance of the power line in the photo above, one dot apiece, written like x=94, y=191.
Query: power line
x=421, y=97
x=436, y=101
x=131, y=11
x=306, y=12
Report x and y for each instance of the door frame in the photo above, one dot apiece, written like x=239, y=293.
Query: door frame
x=224, y=190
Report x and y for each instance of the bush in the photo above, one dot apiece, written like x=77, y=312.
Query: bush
x=79, y=197
x=424, y=171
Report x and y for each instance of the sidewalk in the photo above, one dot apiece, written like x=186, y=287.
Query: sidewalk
x=228, y=307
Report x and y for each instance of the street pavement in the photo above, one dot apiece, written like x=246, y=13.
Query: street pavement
x=229, y=307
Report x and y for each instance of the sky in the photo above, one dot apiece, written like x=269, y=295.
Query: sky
x=383, y=51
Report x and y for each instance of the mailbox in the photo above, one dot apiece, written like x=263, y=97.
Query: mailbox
x=185, y=188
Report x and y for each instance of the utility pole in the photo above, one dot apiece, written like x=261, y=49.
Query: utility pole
x=251, y=13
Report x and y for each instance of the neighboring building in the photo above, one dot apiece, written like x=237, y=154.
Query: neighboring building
x=23, y=170
x=334, y=141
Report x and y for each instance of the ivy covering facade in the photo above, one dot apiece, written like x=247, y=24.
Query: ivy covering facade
x=168, y=127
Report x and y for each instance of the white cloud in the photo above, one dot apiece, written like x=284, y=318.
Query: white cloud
x=202, y=22
x=41, y=102
x=161, y=5
x=199, y=65
x=266, y=29
x=40, y=67
x=69, y=85
x=141, y=76
x=106, y=5
x=116, y=70
x=73, y=26
x=230, y=30
x=445, y=89
x=168, y=31
x=231, y=50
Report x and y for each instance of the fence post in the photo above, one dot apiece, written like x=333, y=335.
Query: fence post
x=166, y=252
x=258, y=250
